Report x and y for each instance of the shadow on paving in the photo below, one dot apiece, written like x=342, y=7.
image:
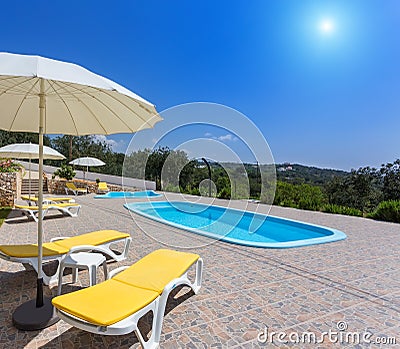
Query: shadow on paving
x=76, y=338
x=16, y=288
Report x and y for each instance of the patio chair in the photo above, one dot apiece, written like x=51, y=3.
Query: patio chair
x=71, y=209
x=102, y=188
x=71, y=187
x=142, y=287
x=57, y=248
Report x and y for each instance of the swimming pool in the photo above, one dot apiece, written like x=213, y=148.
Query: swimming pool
x=128, y=194
x=236, y=226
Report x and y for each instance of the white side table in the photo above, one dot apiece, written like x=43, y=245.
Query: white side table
x=85, y=260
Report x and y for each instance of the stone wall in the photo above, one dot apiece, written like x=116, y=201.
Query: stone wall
x=57, y=186
x=8, y=188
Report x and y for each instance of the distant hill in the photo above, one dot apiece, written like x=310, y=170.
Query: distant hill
x=286, y=172
x=298, y=174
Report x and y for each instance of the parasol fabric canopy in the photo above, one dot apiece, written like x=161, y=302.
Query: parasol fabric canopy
x=78, y=102
x=29, y=151
x=87, y=161
x=47, y=96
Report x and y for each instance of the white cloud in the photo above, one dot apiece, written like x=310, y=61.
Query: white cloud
x=227, y=137
x=119, y=146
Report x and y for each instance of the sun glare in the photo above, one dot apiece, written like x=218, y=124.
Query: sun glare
x=326, y=26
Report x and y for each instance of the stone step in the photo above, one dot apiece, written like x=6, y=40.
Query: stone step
x=34, y=186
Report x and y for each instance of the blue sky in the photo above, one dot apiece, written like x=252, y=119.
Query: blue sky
x=323, y=98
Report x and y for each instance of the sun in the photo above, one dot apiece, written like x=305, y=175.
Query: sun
x=326, y=26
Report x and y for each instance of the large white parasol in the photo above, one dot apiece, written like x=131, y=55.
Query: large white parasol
x=51, y=97
x=87, y=162
x=29, y=151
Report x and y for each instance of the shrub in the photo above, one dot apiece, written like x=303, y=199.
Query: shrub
x=9, y=166
x=349, y=211
x=4, y=212
x=387, y=211
x=303, y=196
x=225, y=193
x=65, y=171
x=171, y=188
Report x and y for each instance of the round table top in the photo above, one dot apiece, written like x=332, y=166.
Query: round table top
x=84, y=258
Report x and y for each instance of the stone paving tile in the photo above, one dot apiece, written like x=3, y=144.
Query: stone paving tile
x=244, y=288
x=380, y=285
x=244, y=327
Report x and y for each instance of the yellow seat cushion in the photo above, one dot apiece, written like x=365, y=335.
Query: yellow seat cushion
x=73, y=187
x=157, y=269
x=55, y=205
x=94, y=238
x=63, y=246
x=54, y=199
x=106, y=303
x=31, y=250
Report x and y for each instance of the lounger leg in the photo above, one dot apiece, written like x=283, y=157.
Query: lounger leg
x=195, y=286
x=47, y=279
x=74, y=275
x=199, y=274
x=60, y=276
x=105, y=270
x=92, y=275
x=154, y=340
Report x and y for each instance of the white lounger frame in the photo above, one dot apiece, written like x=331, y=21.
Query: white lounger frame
x=65, y=209
x=49, y=279
x=129, y=324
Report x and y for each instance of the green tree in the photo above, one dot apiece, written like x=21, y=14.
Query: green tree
x=361, y=189
x=391, y=180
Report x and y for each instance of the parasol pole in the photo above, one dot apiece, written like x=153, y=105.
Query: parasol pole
x=39, y=313
x=29, y=179
x=42, y=107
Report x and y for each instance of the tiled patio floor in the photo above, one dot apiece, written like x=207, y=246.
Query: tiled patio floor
x=356, y=281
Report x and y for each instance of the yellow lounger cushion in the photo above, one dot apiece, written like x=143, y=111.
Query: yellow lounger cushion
x=157, y=269
x=103, y=185
x=26, y=251
x=94, y=238
x=61, y=247
x=106, y=303
x=36, y=208
x=54, y=199
x=72, y=186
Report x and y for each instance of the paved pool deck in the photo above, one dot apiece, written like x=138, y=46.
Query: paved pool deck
x=354, y=282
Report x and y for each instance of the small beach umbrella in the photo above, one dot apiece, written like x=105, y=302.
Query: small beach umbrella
x=29, y=151
x=52, y=97
x=87, y=162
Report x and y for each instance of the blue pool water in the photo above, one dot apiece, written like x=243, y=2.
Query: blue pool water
x=240, y=227
x=128, y=194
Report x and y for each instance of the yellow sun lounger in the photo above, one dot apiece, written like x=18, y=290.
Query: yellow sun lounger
x=71, y=209
x=102, y=187
x=101, y=241
x=74, y=189
x=48, y=200
x=115, y=306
